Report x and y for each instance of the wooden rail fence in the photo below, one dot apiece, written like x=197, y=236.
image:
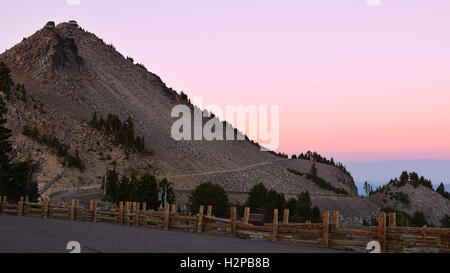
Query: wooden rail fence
x=326, y=234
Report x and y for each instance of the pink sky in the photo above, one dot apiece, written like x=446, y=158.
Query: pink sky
x=353, y=81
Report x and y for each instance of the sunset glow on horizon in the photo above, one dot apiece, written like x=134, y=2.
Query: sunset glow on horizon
x=353, y=81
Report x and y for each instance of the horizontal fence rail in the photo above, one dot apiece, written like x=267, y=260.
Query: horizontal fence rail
x=391, y=238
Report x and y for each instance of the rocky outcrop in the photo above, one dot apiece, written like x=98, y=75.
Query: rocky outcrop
x=421, y=198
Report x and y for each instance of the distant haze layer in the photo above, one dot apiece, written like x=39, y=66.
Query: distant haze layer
x=380, y=172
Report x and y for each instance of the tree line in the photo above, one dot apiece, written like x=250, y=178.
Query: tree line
x=122, y=132
x=260, y=200
x=8, y=86
x=316, y=157
x=405, y=178
x=145, y=189
x=319, y=181
x=16, y=177
x=62, y=150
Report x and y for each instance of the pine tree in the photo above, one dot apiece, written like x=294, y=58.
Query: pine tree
x=367, y=188
x=5, y=148
x=147, y=191
x=301, y=210
x=445, y=222
x=209, y=194
x=16, y=179
x=142, y=146
x=166, y=192
x=257, y=198
x=5, y=80
x=314, y=171
x=404, y=177
x=441, y=189
x=129, y=133
x=21, y=181
x=418, y=219
x=413, y=176
x=94, y=121
x=332, y=162
x=112, y=186
x=273, y=201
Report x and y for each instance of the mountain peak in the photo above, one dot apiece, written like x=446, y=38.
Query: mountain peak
x=50, y=49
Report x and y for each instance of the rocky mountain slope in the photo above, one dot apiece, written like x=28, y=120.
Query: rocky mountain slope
x=73, y=74
x=97, y=152
x=410, y=199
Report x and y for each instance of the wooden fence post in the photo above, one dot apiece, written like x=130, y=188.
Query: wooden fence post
x=232, y=229
x=144, y=207
x=136, y=213
x=275, y=225
x=122, y=211
x=209, y=211
x=72, y=211
x=119, y=213
x=286, y=217
x=127, y=211
x=382, y=231
x=200, y=220
x=26, y=205
x=173, y=208
x=166, y=217
x=20, y=207
x=45, y=209
x=4, y=204
x=246, y=215
x=392, y=219
x=133, y=211
x=94, y=210
x=325, y=227
x=335, y=219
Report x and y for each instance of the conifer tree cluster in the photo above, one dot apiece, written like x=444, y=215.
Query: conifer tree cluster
x=61, y=149
x=441, y=190
x=210, y=194
x=145, y=189
x=122, y=132
x=16, y=178
x=319, y=181
x=264, y=201
x=5, y=80
x=316, y=157
x=413, y=179
x=8, y=87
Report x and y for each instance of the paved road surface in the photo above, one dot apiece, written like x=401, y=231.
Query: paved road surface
x=37, y=235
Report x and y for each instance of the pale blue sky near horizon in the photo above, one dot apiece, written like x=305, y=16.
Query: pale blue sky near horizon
x=381, y=172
